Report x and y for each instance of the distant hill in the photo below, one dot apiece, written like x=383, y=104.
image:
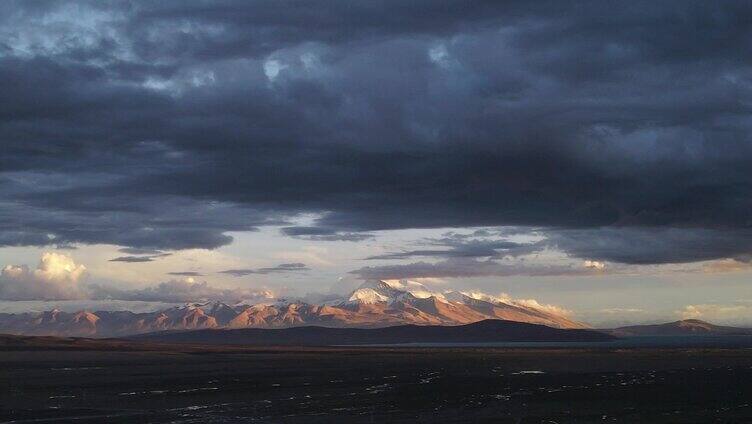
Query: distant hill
x=9, y=342
x=15, y=342
x=687, y=327
x=486, y=331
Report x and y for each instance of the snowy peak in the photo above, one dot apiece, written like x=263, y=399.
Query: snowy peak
x=367, y=295
x=390, y=291
x=415, y=303
x=414, y=288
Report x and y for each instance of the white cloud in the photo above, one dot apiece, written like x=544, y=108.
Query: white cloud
x=439, y=55
x=727, y=265
x=57, y=277
x=272, y=68
x=527, y=303
x=621, y=311
x=309, y=60
x=594, y=265
x=532, y=303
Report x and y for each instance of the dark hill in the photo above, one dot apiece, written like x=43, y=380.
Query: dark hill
x=487, y=331
x=687, y=327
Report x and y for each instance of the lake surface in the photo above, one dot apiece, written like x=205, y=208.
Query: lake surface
x=726, y=342
x=405, y=385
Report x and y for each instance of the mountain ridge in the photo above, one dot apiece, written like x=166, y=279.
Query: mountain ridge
x=686, y=327
x=485, y=331
x=374, y=304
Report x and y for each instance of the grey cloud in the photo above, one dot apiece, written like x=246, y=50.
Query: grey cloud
x=239, y=272
x=479, y=244
x=465, y=268
x=186, y=274
x=132, y=259
x=65, y=247
x=137, y=259
x=137, y=251
x=324, y=234
x=654, y=245
x=150, y=223
x=281, y=268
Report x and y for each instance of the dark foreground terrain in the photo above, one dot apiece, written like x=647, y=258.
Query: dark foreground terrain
x=192, y=384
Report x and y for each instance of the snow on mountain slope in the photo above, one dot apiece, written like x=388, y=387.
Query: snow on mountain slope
x=367, y=295
x=514, y=310
x=413, y=302
x=391, y=291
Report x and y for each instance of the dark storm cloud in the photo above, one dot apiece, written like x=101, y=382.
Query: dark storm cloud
x=137, y=259
x=165, y=125
x=654, y=246
x=323, y=234
x=281, y=268
x=137, y=251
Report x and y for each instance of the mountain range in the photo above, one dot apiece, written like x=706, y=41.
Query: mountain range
x=374, y=304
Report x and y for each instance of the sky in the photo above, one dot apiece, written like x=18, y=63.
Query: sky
x=594, y=155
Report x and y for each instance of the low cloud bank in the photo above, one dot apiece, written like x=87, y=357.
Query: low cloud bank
x=180, y=291
x=59, y=278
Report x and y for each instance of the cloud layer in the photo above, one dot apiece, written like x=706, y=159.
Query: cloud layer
x=281, y=268
x=465, y=268
x=166, y=125
x=180, y=291
x=58, y=277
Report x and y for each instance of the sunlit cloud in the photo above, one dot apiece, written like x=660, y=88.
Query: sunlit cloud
x=56, y=277
x=594, y=265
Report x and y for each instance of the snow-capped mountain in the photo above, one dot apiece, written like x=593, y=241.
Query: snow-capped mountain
x=378, y=291
x=373, y=304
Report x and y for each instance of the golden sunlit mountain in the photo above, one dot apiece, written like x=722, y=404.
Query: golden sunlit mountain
x=374, y=304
